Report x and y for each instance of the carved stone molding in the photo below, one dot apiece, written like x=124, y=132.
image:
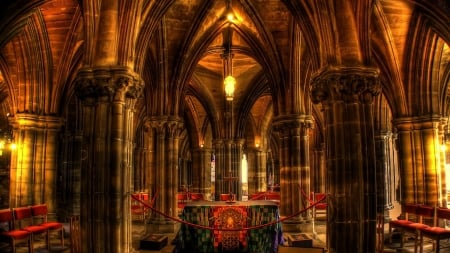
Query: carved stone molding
x=347, y=84
x=286, y=123
x=114, y=82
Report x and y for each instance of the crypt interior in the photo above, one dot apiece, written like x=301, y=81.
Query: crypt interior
x=103, y=99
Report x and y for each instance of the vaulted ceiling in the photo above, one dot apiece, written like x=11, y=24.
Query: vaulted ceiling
x=181, y=42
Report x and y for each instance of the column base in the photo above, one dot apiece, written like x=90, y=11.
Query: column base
x=296, y=225
x=162, y=227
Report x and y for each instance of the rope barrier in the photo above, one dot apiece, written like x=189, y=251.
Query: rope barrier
x=229, y=229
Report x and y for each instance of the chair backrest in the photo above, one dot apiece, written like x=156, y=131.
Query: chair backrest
x=227, y=197
x=23, y=216
x=196, y=196
x=6, y=216
x=182, y=196
x=144, y=196
x=39, y=210
x=409, y=209
x=443, y=213
x=21, y=213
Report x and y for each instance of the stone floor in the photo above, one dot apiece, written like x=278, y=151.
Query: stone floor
x=319, y=240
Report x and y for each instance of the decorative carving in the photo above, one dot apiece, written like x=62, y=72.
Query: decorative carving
x=116, y=83
x=347, y=84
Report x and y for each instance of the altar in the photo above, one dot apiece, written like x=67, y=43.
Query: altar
x=220, y=226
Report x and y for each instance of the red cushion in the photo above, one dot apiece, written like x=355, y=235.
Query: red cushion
x=400, y=222
x=435, y=231
x=52, y=225
x=16, y=234
x=35, y=229
x=416, y=225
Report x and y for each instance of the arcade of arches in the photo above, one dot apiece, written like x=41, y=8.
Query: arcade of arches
x=108, y=97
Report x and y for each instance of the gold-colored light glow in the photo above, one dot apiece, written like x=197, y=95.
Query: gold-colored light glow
x=230, y=83
x=230, y=17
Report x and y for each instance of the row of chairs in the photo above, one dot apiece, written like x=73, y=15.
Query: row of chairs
x=26, y=223
x=421, y=222
x=138, y=210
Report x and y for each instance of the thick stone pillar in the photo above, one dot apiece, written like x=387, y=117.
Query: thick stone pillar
x=201, y=171
x=69, y=189
x=294, y=168
x=166, y=171
x=346, y=95
x=108, y=96
x=257, y=170
x=419, y=141
x=34, y=161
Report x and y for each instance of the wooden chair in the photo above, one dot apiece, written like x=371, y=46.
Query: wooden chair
x=13, y=236
x=182, y=199
x=137, y=208
x=75, y=234
x=436, y=233
x=412, y=223
x=227, y=197
x=24, y=217
x=41, y=212
x=195, y=196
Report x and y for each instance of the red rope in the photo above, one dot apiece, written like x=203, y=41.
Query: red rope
x=230, y=229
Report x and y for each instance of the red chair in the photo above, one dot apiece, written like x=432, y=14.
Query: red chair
x=13, y=236
x=196, y=196
x=182, y=199
x=435, y=232
x=137, y=208
x=411, y=225
x=227, y=197
x=41, y=212
x=24, y=217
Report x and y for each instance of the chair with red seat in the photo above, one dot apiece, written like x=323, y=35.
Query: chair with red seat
x=24, y=217
x=412, y=223
x=436, y=233
x=41, y=212
x=13, y=236
x=196, y=196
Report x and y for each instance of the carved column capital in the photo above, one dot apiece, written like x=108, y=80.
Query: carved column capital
x=347, y=84
x=115, y=82
x=170, y=126
x=287, y=123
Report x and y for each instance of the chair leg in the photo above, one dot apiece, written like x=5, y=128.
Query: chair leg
x=62, y=237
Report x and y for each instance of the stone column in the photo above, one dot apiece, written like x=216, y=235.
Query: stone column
x=34, y=161
x=346, y=94
x=69, y=191
x=201, y=171
x=318, y=169
x=294, y=168
x=165, y=170
x=257, y=170
x=419, y=143
x=385, y=173
x=108, y=96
